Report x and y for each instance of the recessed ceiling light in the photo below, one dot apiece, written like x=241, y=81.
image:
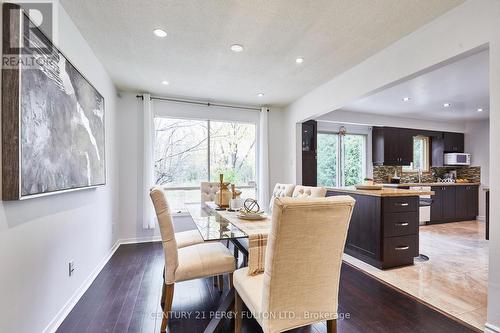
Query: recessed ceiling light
x=160, y=33
x=406, y=99
x=165, y=83
x=236, y=48
x=479, y=110
x=299, y=60
x=446, y=105
x=260, y=94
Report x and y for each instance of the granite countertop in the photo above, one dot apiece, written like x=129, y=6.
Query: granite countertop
x=385, y=192
x=430, y=184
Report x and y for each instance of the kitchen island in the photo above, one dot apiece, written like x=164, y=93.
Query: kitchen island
x=383, y=231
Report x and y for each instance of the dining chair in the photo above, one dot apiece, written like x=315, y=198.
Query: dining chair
x=208, y=191
x=280, y=190
x=308, y=192
x=187, y=263
x=300, y=283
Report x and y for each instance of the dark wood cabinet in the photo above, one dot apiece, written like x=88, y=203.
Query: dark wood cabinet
x=453, y=142
x=309, y=149
x=392, y=146
x=454, y=203
x=383, y=232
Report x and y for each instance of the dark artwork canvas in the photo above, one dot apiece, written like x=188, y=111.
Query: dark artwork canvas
x=61, y=128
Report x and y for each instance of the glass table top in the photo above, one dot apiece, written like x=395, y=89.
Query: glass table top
x=211, y=225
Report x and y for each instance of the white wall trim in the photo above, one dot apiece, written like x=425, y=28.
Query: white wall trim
x=66, y=309
x=481, y=218
x=489, y=328
x=137, y=240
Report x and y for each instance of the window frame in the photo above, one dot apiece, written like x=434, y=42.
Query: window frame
x=340, y=179
x=208, y=121
x=426, y=154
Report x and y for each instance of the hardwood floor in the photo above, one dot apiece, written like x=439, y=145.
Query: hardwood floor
x=454, y=280
x=125, y=297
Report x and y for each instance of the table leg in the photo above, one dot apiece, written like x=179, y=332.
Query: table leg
x=225, y=306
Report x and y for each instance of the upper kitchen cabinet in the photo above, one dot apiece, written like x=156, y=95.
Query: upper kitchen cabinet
x=447, y=142
x=453, y=142
x=309, y=148
x=392, y=146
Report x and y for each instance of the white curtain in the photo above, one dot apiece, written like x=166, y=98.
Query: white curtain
x=263, y=171
x=148, y=215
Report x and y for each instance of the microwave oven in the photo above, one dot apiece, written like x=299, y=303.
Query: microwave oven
x=456, y=159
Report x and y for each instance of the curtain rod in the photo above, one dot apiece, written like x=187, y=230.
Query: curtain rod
x=200, y=103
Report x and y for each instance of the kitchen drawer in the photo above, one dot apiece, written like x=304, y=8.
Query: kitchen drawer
x=400, y=224
x=399, y=251
x=401, y=204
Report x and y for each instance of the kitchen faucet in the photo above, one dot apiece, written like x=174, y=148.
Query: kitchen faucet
x=419, y=175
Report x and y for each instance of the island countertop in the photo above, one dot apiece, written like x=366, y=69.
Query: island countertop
x=429, y=184
x=385, y=192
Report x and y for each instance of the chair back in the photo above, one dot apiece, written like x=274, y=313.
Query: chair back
x=308, y=192
x=208, y=191
x=303, y=261
x=167, y=232
x=280, y=191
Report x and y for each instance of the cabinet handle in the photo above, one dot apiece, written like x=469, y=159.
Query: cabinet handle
x=401, y=224
x=403, y=204
x=401, y=248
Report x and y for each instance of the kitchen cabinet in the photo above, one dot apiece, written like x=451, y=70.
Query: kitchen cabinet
x=453, y=142
x=467, y=202
x=383, y=231
x=453, y=203
x=392, y=146
x=309, y=149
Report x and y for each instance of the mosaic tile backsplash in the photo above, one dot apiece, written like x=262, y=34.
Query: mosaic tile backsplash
x=381, y=174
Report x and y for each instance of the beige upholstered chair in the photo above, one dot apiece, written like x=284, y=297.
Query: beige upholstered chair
x=280, y=191
x=208, y=191
x=188, y=263
x=302, y=268
x=308, y=192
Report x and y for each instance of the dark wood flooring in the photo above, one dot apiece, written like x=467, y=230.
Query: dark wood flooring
x=125, y=297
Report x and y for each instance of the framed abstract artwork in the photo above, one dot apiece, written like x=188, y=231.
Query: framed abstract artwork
x=53, y=119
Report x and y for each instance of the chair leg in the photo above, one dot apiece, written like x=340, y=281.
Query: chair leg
x=220, y=282
x=331, y=326
x=230, y=280
x=238, y=312
x=168, y=297
x=215, y=278
x=162, y=301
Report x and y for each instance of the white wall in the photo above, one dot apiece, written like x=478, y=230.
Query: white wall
x=39, y=236
x=477, y=143
x=467, y=27
x=130, y=133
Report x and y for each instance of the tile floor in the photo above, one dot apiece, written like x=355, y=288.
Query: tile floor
x=454, y=280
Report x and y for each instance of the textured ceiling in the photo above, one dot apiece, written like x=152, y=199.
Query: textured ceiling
x=463, y=83
x=331, y=35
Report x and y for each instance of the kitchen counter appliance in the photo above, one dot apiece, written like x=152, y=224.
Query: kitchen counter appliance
x=457, y=159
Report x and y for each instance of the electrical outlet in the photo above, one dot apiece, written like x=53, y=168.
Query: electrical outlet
x=71, y=267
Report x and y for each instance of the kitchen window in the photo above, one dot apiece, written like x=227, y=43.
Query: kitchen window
x=420, y=155
x=341, y=159
x=188, y=152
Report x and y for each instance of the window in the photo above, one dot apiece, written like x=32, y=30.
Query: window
x=341, y=159
x=188, y=152
x=420, y=155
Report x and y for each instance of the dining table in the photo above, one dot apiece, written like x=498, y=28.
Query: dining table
x=249, y=237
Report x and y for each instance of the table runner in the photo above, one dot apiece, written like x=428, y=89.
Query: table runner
x=257, y=232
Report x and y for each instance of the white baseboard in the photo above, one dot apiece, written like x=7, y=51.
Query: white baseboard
x=481, y=218
x=489, y=328
x=66, y=309
x=136, y=240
